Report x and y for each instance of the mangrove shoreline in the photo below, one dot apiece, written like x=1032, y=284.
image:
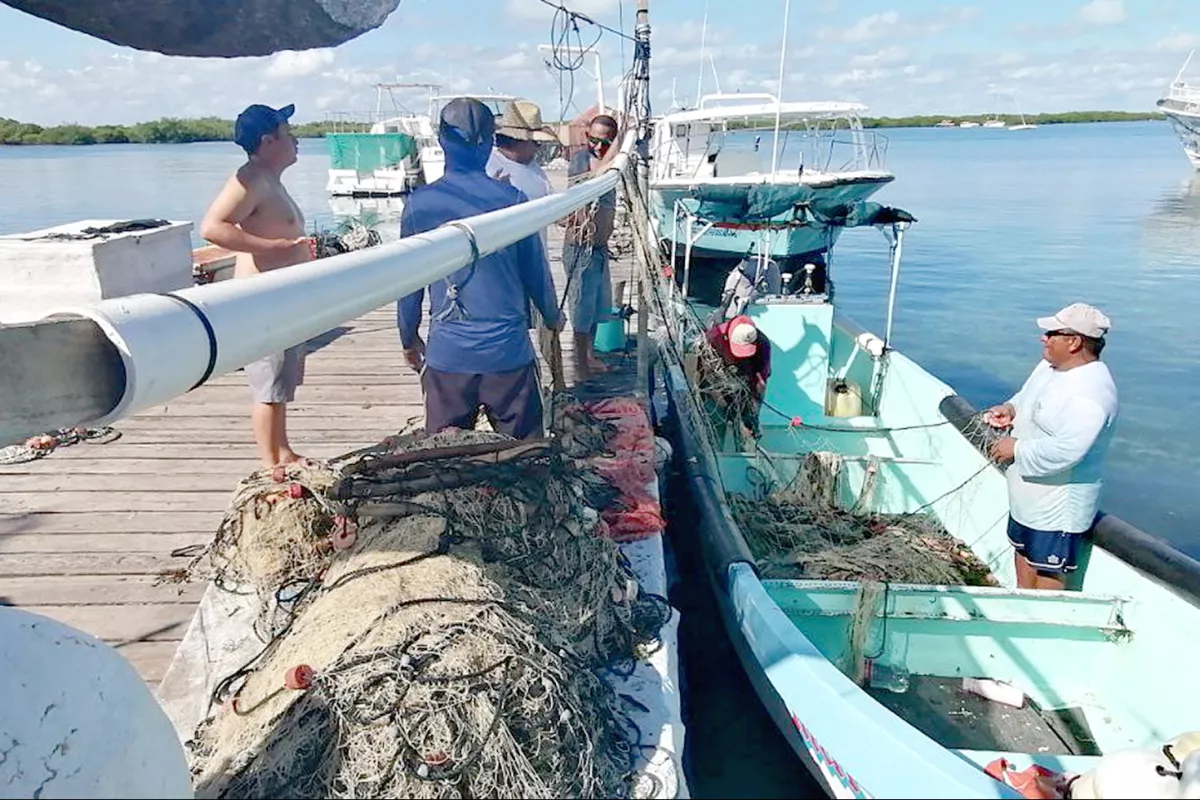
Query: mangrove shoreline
x=172, y=130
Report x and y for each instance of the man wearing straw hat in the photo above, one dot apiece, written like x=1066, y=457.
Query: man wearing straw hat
x=519, y=135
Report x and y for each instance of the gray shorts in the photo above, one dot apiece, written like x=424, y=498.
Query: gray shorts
x=274, y=379
x=590, y=293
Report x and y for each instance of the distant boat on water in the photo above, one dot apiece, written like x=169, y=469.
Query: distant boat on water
x=1181, y=104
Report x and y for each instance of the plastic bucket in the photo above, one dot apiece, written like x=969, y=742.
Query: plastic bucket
x=610, y=335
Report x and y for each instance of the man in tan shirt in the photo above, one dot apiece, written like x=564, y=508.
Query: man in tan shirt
x=255, y=217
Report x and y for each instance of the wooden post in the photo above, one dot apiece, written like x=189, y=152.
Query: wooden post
x=56, y=375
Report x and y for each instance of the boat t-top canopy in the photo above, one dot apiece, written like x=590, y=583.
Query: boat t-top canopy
x=492, y=100
x=713, y=108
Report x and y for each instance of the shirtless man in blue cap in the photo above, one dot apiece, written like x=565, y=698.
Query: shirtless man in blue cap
x=255, y=217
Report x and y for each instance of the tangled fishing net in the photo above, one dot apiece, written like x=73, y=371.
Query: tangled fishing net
x=800, y=531
x=727, y=398
x=438, y=614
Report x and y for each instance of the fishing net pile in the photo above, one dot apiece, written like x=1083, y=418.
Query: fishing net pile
x=438, y=614
x=801, y=531
x=615, y=439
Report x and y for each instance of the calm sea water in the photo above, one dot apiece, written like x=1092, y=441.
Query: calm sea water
x=1012, y=225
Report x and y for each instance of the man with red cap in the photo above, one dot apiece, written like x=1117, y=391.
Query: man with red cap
x=746, y=355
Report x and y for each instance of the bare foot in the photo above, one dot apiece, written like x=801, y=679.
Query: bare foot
x=289, y=457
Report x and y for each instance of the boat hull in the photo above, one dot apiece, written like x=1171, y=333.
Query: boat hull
x=851, y=742
x=753, y=215
x=1187, y=127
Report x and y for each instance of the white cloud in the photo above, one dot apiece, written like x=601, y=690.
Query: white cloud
x=891, y=25
x=297, y=63
x=857, y=76
x=1103, y=12
x=892, y=54
x=931, y=78
x=874, y=26
x=537, y=10
x=1010, y=58
x=513, y=60
x=1178, y=42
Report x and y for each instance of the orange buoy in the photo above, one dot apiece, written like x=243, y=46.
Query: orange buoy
x=343, y=536
x=298, y=677
x=295, y=491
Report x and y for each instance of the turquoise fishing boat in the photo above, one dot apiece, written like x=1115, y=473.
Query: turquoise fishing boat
x=882, y=688
x=722, y=184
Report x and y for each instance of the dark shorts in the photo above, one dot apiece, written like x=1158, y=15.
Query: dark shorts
x=512, y=401
x=1046, y=551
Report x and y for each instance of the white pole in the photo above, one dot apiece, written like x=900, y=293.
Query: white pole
x=787, y=12
x=1183, y=69
x=897, y=249
x=169, y=343
x=716, y=78
x=703, y=45
x=599, y=83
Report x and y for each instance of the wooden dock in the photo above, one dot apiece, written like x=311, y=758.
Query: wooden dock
x=86, y=530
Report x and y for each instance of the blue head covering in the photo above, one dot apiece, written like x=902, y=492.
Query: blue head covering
x=466, y=133
x=256, y=122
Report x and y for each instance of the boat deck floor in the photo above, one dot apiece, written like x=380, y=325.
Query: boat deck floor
x=959, y=720
x=86, y=531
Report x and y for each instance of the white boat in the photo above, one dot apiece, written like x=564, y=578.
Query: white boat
x=966, y=123
x=720, y=186
x=397, y=151
x=995, y=122
x=1024, y=126
x=1181, y=104
x=888, y=684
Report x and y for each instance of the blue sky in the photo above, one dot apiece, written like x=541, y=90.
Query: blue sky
x=915, y=56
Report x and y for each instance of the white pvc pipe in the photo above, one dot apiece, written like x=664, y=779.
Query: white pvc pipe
x=165, y=347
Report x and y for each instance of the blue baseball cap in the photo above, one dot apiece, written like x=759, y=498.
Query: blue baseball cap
x=469, y=121
x=256, y=122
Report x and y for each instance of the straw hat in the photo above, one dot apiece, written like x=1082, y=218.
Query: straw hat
x=523, y=120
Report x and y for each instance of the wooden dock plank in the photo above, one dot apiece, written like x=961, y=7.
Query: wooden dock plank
x=96, y=590
x=105, y=522
x=100, y=543
x=164, y=622
x=31, y=565
x=86, y=530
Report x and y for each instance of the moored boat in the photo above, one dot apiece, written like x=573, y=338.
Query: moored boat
x=391, y=153
x=889, y=686
x=721, y=186
x=1181, y=104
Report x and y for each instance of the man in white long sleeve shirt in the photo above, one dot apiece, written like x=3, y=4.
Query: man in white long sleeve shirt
x=1062, y=421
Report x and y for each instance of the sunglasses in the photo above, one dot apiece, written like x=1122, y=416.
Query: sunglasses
x=595, y=140
x=1060, y=332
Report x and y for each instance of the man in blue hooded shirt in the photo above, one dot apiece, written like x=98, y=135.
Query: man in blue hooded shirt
x=479, y=351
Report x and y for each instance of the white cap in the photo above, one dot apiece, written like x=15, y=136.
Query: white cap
x=1080, y=318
